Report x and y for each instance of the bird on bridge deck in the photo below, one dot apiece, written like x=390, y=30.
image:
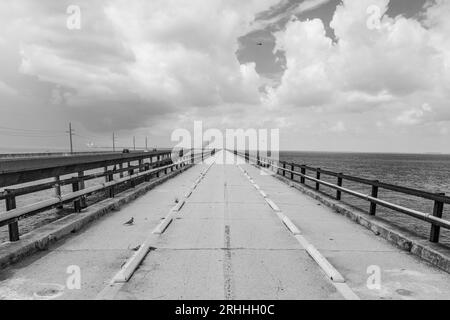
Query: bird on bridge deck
x=129, y=222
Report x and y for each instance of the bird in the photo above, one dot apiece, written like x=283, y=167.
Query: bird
x=130, y=222
x=136, y=248
x=259, y=43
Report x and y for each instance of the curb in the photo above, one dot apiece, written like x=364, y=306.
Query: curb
x=41, y=238
x=131, y=265
x=328, y=269
x=435, y=254
x=127, y=271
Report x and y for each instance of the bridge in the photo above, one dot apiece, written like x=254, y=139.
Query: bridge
x=196, y=227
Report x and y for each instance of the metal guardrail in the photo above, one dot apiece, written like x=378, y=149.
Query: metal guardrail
x=288, y=170
x=145, y=172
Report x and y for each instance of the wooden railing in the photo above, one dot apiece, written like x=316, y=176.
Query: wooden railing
x=147, y=165
x=291, y=170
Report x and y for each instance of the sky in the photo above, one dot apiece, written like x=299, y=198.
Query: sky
x=331, y=75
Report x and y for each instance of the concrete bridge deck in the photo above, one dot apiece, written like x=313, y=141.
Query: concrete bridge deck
x=226, y=242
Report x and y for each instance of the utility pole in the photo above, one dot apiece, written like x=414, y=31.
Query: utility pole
x=70, y=132
x=146, y=148
x=134, y=143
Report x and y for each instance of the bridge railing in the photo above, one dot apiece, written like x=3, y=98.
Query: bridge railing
x=291, y=170
x=122, y=165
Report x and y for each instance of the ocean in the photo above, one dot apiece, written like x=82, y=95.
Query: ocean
x=428, y=172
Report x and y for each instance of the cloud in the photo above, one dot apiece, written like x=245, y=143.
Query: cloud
x=146, y=57
x=399, y=67
x=7, y=90
x=415, y=115
x=283, y=11
x=338, y=127
x=157, y=65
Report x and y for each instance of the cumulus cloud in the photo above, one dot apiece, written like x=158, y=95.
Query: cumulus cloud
x=415, y=115
x=283, y=11
x=403, y=63
x=150, y=57
x=161, y=64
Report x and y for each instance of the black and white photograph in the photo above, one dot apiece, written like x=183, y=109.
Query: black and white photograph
x=224, y=158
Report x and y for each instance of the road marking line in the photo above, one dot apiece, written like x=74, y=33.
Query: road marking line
x=346, y=291
x=272, y=204
x=136, y=259
x=110, y=291
x=262, y=193
x=197, y=181
x=326, y=266
x=178, y=206
x=291, y=226
x=162, y=226
x=280, y=215
x=133, y=263
x=331, y=272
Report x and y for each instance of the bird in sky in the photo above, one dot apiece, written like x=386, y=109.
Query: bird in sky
x=130, y=222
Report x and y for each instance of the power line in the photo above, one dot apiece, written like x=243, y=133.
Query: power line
x=29, y=134
x=41, y=133
x=31, y=130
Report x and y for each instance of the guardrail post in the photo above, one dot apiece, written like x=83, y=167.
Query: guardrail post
x=120, y=169
x=147, y=167
x=108, y=178
x=141, y=169
x=58, y=190
x=77, y=202
x=318, y=178
x=339, y=183
x=302, y=171
x=81, y=183
x=192, y=156
x=292, y=173
x=374, y=194
x=284, y=171
x=130, y=173
x=437, y=212
x=13, y=227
